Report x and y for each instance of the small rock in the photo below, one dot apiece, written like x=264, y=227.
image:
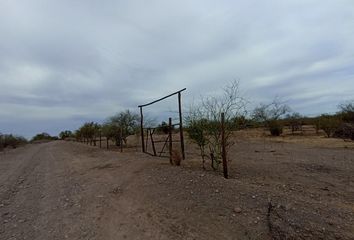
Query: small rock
x=217, y=191
x=116, y=190
x=237, y=210
x=253, y=197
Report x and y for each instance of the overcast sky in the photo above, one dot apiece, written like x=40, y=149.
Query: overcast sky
x=65, y=62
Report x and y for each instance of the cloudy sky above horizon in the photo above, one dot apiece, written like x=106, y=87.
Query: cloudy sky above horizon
x=66, y=62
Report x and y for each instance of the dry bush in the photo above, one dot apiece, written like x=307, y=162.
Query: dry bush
x=203, y=122
x=345, y=131
x=176, y=158
x=270, y=114
x=9, y=140
x=329, y=124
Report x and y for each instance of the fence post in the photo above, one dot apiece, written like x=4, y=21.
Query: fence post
x=121, y=140
x=170, y=138
x=147, y=139
x=142, y=129
x=152, y=141
x=223, y=145
x=181, y=125
x=107, y=139
x=100, y=139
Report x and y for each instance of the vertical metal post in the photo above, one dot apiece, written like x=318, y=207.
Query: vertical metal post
x=223, y=145
x=107, y=140
x=142, y=129
x=147, y=140
x=121, y=139
x=152, y=141
x=181, y=125
x=170, y=138
x=100, y=139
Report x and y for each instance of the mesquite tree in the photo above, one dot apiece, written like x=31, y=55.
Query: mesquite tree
x=203, y=122
x=120, y=126
x=269, y=115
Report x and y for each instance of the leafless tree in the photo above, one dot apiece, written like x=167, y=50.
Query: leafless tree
x=269, y=115
x=203, y=121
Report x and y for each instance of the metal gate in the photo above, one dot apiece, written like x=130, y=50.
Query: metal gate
x=149, y=132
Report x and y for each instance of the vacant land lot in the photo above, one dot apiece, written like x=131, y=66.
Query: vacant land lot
x=279, y=188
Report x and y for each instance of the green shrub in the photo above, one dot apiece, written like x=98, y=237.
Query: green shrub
x=43, y=136
x=65, y=134
x=197, y=133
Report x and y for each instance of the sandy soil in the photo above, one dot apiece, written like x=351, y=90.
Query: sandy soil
x=276, y=190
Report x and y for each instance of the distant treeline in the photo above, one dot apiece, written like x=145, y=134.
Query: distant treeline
x=11, y=141
x=116, y=128
x=338, y=125
x=14, y=141
x=202, y=120
x=273, y=116
x=44, y=137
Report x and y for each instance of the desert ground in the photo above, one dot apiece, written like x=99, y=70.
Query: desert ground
x=289, y=187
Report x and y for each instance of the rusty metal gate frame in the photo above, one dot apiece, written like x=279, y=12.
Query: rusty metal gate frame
x=150, y=131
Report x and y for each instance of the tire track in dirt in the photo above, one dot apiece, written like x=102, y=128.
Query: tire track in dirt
x=18, y=183
x=39, y=202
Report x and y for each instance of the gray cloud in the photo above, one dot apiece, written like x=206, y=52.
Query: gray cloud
x=64, y=62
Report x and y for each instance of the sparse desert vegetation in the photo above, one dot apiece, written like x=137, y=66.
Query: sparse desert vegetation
x=11, y=141
x=289, y=176
x=177, y=120
x=43, y=137
x=294, y=186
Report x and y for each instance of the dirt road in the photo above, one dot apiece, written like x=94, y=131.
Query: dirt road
x=63, y=190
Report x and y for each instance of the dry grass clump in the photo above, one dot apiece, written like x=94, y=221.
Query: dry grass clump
x=176, y=158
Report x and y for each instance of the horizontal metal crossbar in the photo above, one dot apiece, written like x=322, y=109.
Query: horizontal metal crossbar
x=154, y=128
x=165, y=141
x=158, y=100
